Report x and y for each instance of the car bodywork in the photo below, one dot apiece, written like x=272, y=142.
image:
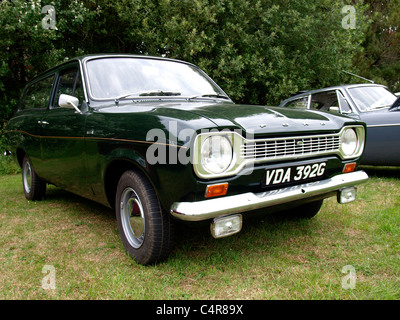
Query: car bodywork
x=370, y=103
x=198, y=154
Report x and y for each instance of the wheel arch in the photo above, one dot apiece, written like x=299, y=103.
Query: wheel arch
x=20, y=153
x=115, y=170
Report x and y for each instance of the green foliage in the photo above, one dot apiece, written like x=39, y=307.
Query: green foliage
x=258, y=51
x=380, y=60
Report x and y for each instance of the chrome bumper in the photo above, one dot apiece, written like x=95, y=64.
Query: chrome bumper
x=212, y=208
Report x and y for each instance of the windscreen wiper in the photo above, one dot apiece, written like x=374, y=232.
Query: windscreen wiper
x=154, y=93
x=210, y=95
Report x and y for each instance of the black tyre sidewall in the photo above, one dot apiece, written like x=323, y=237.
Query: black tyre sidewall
x=156, y=244
x=38, y=186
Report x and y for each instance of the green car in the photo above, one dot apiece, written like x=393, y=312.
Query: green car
x=159, y=142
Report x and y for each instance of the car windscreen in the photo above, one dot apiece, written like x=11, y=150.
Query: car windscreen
x=122, y=77
x=372, y=98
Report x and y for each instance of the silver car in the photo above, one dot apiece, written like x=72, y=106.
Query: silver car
x=373, y=104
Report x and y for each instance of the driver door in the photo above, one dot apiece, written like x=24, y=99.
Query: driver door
x=63, y=145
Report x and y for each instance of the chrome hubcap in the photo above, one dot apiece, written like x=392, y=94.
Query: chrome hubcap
x=132, y=217
x=27, y=177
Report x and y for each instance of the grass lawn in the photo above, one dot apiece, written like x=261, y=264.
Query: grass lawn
x=346, y=252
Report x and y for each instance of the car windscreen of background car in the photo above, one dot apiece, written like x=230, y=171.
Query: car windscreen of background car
x=114, y=77
x=371, y=98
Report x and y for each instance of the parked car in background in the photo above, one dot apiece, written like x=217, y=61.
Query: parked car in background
x=371, y=103
x=159, y=141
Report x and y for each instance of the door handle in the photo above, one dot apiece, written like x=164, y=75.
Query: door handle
x=43, y=123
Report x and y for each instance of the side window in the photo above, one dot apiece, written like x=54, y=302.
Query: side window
x=325, y=101
x=301, y=103
x=37, y=95
x=69, y=82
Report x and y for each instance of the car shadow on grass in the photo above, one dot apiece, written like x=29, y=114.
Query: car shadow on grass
x=193, y=242
x=381, y=171
x=261, y=232
x=59, y=196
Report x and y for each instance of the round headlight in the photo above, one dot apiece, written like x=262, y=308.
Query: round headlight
x=216, y=154
x=349, y=142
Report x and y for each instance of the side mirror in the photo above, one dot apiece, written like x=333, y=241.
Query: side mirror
x=334, y=109
x=397, y=94
x=70, y=102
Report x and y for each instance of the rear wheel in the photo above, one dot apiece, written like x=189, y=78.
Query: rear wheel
x=145, y=228
x=34, y=187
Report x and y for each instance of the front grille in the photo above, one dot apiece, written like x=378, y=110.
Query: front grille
x=292, y=147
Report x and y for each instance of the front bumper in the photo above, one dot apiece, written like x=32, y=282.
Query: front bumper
x=213, y=208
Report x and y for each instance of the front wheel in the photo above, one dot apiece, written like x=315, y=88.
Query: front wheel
x=145, y=228
x=34, y=187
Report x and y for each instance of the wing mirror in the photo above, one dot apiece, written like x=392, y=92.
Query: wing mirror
x=69, y=102
x=334, y=109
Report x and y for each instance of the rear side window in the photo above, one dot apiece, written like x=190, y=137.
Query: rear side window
x=301, y=103
x=37, y=94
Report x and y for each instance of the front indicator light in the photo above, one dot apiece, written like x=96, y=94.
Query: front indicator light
x=216, y=190
x=349, y=167
x=226, y=226
x=347, y=195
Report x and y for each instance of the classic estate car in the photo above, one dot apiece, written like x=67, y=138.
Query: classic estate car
x=157, y=140
x=370, y=103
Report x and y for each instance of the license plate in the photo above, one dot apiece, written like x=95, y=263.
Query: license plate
x=294, y=174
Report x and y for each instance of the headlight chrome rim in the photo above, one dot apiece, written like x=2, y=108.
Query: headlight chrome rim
x=352, y=140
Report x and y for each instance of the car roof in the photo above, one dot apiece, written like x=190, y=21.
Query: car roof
x=84, y=58
x=342, y=86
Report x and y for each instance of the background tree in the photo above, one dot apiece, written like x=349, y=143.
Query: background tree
x=380, y=60
x=258, y=51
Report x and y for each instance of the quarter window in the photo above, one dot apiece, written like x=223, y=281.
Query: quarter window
x=344, y=105
x=69, y=83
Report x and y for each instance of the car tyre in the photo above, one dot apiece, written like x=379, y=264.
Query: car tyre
x=145, y=228
x=34, y=186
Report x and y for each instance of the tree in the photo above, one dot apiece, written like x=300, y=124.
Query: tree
x=26, y=48
x=259, y=51
x=381, y=55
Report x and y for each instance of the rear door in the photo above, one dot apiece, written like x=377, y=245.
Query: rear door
x=32, y=108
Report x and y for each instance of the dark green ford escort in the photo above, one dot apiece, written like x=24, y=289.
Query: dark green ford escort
x=157, y=140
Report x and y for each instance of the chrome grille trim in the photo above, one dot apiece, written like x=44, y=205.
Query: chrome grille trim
x=291, y=147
